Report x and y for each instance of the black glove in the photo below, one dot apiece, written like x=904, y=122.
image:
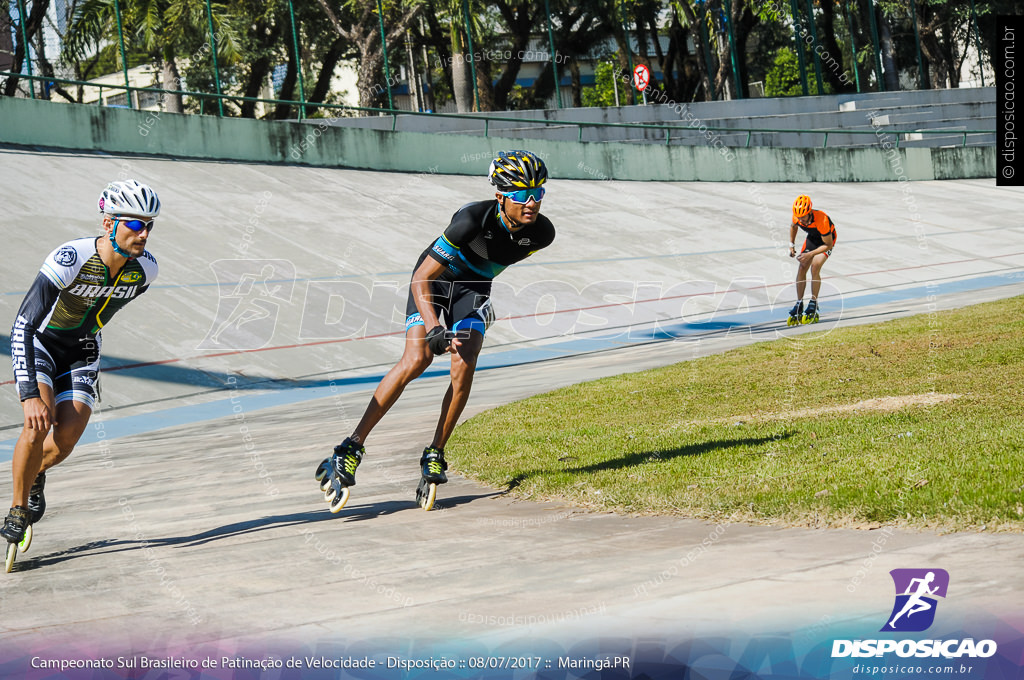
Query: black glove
x=437, y=340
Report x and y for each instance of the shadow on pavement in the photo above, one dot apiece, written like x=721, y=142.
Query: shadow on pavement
x=635, y=459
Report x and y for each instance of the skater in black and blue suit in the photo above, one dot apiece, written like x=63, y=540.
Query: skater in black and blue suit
x=449, y=309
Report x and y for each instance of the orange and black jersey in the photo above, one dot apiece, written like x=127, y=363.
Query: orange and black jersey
x=821, y=225
x=72, y=298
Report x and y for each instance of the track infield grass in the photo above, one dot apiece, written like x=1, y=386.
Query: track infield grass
x=916, y=422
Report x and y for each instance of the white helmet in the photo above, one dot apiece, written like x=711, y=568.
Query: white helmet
x=129, y=198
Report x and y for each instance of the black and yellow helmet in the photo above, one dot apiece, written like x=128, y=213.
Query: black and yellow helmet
x=513, y=170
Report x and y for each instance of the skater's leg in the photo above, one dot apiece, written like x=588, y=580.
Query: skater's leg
x=37, y=451
x=28, y=452
x=801, y=281
x=816, y=264
x=415, y=359
x=463, y=369
x=72, y=419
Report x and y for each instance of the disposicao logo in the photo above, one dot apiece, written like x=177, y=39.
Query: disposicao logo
x=916, y=590
x=914, y=611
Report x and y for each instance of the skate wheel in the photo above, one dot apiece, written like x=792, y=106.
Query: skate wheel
x=12, y=551
x=27, y=540
x=426, y=494
x=338, y=503
x=322, y=470
x=325, y=483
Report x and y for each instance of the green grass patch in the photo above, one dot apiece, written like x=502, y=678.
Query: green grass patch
x=787, y=432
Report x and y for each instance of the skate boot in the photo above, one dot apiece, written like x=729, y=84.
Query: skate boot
x=795, y=314
x=432, y=465
x=811, y=313
x=36, y=499
x=337, y=473
x=14, y=526
x=17, y=531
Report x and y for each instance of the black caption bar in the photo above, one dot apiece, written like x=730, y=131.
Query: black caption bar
x=1008, y=62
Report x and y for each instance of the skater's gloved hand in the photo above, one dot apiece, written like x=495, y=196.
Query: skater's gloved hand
x=436, y=340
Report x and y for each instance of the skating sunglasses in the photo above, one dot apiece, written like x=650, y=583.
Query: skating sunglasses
x=523, y=196
x=136, y=225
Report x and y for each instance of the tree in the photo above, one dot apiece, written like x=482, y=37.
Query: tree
x=783, y=80
x=519, y=20
x=165, y=29
x=695, y=21
x=33, y=25
x=363, y=33
x=605, y=87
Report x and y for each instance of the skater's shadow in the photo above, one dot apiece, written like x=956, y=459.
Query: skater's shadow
x=642, y=458
x=297, y=520
x=371, y=510
x=140, y=543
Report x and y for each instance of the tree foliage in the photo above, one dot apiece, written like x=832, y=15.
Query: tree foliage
x=695, y=49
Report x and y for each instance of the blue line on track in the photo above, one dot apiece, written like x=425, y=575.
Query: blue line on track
x=246, y=403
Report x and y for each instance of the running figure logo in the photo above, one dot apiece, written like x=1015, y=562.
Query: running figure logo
x=916, y=589
x=252, y=293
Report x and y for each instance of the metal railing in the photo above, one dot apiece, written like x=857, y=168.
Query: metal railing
x=487, y=119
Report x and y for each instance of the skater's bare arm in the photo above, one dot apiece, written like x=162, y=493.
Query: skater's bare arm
x=792, y=239
x=427, y=272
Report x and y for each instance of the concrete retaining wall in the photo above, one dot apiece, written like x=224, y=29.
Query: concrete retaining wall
x=93, y=128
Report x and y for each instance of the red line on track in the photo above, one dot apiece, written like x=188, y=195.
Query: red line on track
x=525, y=316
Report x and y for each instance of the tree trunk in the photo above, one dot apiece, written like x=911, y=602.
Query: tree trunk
x=443, y=47
x=694, y=24
x=483, y=85
x=267, y=34
x=664, y=61
x=543, y=88
x=32, y=25
x=889, y=65
x=370, y=79
x=327, y=66
x=283, y=111
x=171, y=80
x=949, y=53
x=428, y=89
x=688, y=81
x=6, y=42
x=827, y=38
x=519, y=22
x=462, y=75
x=415, y=84
x=577, y=85
x=744, y=21
x=932, y=50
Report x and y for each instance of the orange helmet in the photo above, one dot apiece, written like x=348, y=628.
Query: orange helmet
x=801, y=206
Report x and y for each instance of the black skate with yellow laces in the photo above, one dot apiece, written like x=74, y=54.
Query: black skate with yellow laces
x=432, y=468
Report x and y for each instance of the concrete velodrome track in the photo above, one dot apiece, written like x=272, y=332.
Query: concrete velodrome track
x=188, y=519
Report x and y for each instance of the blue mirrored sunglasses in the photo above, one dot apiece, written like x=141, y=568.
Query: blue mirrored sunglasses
x=136, y=225
x=524, y=195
